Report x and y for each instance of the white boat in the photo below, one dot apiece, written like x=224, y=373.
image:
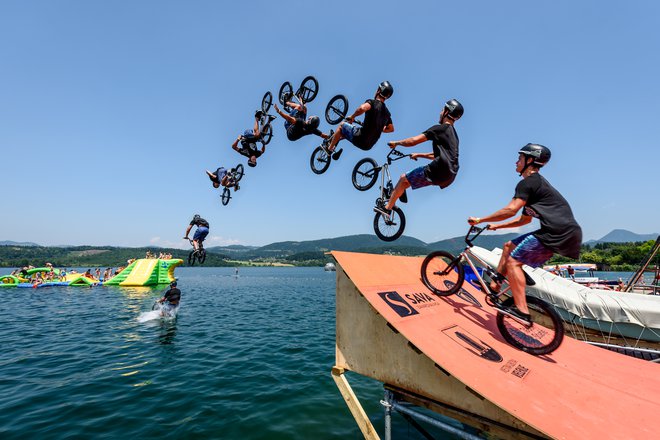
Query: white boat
x=329, y=267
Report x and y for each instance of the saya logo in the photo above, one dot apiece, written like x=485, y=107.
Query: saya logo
x=398, y=304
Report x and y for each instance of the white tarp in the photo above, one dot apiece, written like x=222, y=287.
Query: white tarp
x=588, y=303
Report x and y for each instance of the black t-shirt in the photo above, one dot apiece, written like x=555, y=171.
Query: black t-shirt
x=559, y=230
x=299, y=129
x=199, y=222
x=375, y=119
x=173, y=295
x=444, y=167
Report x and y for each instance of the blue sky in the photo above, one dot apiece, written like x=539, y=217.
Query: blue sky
x=111, y=111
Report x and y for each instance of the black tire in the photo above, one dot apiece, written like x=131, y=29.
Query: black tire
x=309, y=88
x=192, y=257
x=201, y=256
x=320, y=161
x=286, y=91
x=226, y=195
x=543, y=337
x=266, y=134
x=390, y=231
x=365, y=174
x=336, y=109
x=442, y=273
x=266, y=102
x=240, y=171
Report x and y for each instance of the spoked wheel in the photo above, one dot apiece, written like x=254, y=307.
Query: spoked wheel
x=286, y=92
x=238, y=174
x=545, y=334
x=391, y=229
x=309, y=88
x=266, y=102
x=320, y=161
x=266, y=134
x=365, y=174
x=201, y=256
x=442, y=273
x=226, y=195
x=336, y=110
x=192, y=257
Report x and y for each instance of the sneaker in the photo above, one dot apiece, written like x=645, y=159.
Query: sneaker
x=327, y=140
x=271, y=117
x=236, y=187
x=513, y=311
x=337, y=154
x=383, y=210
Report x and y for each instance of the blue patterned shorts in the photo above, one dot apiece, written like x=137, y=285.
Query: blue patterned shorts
x=530, y=251
x=417, y=178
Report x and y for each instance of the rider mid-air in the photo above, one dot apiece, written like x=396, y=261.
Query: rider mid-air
x=249, y=140
x=221, y=177
x=377, y=120
x=296, y=122
x=444, y=159
x=201, y=232
x=559, y=230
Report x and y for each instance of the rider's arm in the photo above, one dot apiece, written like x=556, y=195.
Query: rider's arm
x=507, y=212
x=188, y=231
x=520, y=221
x=409, y=142
x=284, y=115
x=389, y=128
x=235, y=144
x=360, y=110
x=415, y=156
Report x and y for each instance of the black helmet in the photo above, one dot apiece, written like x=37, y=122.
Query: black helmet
x=454, y=109
x=196, y=217
x=385, y=89
x=313, y=121
x=540, y=153
x=173, y=284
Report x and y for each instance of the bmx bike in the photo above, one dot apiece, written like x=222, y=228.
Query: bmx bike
x=235, y=175
x=309, y=88
x=444, y=275
x=196, y=255
x=335, y=112
x=265, y=119
x=387, y=226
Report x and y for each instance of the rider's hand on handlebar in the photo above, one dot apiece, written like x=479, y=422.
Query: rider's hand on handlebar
x=391, y=144
x=490, y=227
x=474, y=220
x=350, y=119
x=413, y=156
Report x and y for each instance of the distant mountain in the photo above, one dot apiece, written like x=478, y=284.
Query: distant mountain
x=623, y=236
x=17, y=243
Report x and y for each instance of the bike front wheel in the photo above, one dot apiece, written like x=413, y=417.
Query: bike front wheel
x=365, y=174
x=266, y=102
x=226, y=195
x=442, y=273
x=239, y=172
x=266, y=134
x=201, y=257
x=286, y=92
x=336, y=109
x=320, y=161
x=309, y=88
x=192, y=257
x=545, y=334
x=392, y=228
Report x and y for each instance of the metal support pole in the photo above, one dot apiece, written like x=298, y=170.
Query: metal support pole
x=387, y=406
x=437, y=423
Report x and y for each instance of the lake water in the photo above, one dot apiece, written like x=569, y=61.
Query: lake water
x=246, y=358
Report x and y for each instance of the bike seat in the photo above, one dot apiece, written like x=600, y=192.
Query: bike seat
x=529, y=280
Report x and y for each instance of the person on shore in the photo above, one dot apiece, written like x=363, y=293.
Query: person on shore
x=571, y=272
x=171, y=299
x=559, y=230
x=444, y=158
x=377, y=120
x=201, y=232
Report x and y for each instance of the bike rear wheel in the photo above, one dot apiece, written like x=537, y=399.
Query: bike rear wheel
x=238, y=174
x=320, y=161
x=309, y=88
x=192, y=257
x=201, y=256
x=266, y=102
x=390, y=230
x=442, y=273
x=286, y=92
x=544, y=336
x=365, y=174
x=266, y=134
x=226, y=195
x=336, y=109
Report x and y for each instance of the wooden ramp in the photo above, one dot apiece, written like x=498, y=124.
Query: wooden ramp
x=448, y=350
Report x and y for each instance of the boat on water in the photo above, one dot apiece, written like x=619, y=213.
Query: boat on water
x=329, y=267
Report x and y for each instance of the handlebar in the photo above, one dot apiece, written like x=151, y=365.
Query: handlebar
x=397, y=153
x=475, y=231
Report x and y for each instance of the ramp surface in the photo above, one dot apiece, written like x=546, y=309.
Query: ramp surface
x=578, y=391
x=142, y=271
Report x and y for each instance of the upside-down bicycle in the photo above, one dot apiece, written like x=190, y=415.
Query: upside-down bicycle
x=235, y=175
x=309, y=88
x=444, y=275
x=335, y=112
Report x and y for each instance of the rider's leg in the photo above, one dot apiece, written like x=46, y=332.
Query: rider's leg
x=495, y=285
x=517, y=283
x=335, y=138
x=256, y=131
x=195, y=244
x=400, y=187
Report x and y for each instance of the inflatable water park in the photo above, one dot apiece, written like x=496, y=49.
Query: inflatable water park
x=141, y=272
